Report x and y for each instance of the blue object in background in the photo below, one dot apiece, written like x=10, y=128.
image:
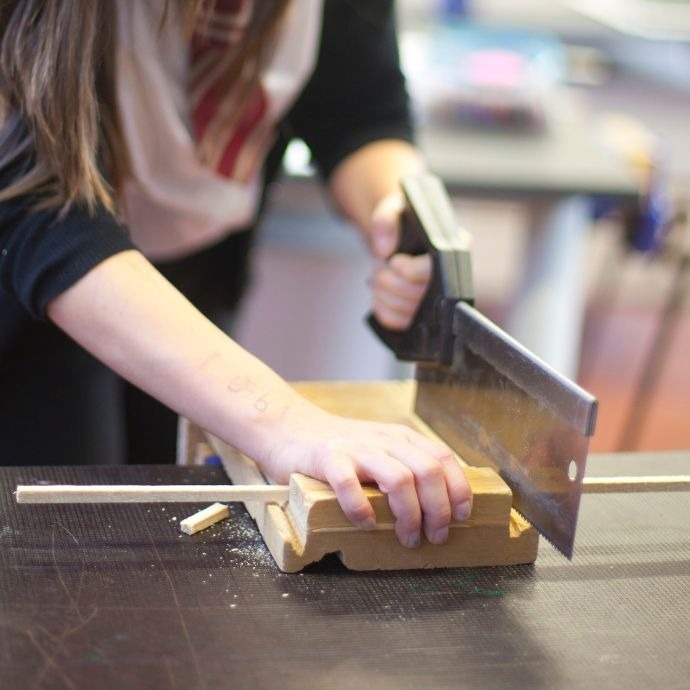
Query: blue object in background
x=648, y=231
x=456, y=8
x=646, y=225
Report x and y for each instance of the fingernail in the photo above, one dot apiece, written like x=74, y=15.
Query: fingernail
x=462, y=510
x=440, y=536
x=413, y=540
x=368, y=524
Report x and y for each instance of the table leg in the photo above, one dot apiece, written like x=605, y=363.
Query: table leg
x=547, y=309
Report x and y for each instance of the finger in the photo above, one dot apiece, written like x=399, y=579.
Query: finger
x=459, y=489
x=416, y=269
x=392, y=302
x=341, y=475
x=389, y=318
x=395, y=301
x=385, y=225
x=397, y=482
x=430, y=482
x=388, y=280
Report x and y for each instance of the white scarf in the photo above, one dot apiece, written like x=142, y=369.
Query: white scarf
x=175, y=203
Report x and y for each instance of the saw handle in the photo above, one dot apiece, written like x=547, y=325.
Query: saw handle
x=428, y=226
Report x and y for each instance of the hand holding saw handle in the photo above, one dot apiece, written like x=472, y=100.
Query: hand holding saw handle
x=428, y=225
x=495, y=403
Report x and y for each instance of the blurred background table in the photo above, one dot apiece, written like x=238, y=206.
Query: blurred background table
x=557, y=174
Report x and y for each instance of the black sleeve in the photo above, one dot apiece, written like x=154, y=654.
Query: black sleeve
x=42, y=254
x=357, y=93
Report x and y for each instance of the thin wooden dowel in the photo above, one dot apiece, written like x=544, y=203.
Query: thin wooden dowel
x=125, y=493
x=628, y=485
x=228, y=493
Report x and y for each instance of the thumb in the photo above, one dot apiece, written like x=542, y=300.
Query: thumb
x=384, y=228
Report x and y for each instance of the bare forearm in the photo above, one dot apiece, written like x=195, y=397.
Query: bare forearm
x=126, y=314
x=371, y=173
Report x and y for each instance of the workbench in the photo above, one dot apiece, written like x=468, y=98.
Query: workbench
x=114, y=596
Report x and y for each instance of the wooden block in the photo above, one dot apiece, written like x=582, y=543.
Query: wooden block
x=313, y=507
x=204, y=518
x=376, y=401
x=312, y=525
x=511, y=544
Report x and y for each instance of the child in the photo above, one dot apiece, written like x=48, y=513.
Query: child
x=145, y=131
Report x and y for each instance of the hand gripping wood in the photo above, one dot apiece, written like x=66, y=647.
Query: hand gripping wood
x=312, y=525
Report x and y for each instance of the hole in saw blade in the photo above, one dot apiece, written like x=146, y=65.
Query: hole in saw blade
x=572, y=471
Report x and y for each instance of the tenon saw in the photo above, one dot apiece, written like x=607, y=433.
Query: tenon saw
x=493, y=401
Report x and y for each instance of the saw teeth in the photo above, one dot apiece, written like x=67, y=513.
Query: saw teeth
x=555, y=546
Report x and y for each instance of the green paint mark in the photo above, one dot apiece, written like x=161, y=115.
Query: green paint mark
x=465, y=584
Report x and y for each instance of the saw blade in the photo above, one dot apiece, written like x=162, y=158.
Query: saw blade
x=498, y=405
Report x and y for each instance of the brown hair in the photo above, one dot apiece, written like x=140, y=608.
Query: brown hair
x=57, y=94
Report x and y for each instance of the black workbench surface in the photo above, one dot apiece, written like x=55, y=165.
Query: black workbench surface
x=112, y=596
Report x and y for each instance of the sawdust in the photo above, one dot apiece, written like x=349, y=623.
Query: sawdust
x=242, y=544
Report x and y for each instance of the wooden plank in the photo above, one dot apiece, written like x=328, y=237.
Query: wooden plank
x=313, y=507
x=375, y=401
x=469, y=546
x=393, y=401
x=484, y=539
